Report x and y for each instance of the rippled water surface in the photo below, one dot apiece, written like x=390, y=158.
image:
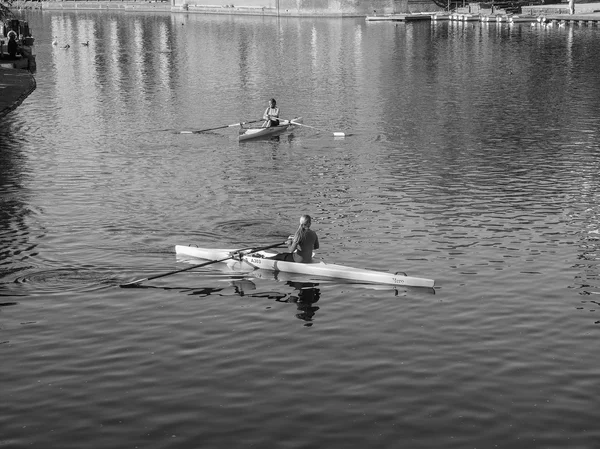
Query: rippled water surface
x=471, y=157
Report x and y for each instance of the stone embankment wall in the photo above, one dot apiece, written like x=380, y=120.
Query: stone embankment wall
x=329, y=8
x=291, y=8
x=17, y=84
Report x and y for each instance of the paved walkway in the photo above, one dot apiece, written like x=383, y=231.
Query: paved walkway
x=15, y=86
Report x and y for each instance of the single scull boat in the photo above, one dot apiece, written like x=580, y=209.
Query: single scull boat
x=251, y=261
x=254, y=133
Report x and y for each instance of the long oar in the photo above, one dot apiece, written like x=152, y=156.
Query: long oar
x=233, y=254
x=198, y=131
x=335, y=134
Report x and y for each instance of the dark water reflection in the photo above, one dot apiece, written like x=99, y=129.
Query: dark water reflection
x=471, y=157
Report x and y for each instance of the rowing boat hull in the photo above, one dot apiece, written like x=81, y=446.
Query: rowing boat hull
x=256, y=133
x=316, y=268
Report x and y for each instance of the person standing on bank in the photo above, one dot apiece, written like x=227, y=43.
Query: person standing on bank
x=12, y=44
x=271, y=115
x=301, y=244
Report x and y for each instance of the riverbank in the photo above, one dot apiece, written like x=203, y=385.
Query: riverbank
x=142, y=6
x=584, y=14
x=15, y=86
x=581, y=9
x=289, y=8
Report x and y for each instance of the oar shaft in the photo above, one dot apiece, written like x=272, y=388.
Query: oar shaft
x=198, y=131
x=335, y=134
x=178, y=271
x=246, y=250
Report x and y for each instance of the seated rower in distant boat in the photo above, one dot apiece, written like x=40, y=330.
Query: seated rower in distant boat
x=271, y=115
x=301, y=244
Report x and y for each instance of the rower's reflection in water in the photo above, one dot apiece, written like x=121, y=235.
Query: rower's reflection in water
x=241, y=286
x=308, y=295
x=305, y=298
x=237, y=287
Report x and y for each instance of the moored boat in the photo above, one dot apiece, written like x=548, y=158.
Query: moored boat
x=259, y=132
x=248, y=261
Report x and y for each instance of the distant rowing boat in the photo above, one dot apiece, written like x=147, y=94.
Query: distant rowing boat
x=255, y=133
x=251, y=261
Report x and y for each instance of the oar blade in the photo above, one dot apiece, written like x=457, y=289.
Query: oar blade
x=133, y=284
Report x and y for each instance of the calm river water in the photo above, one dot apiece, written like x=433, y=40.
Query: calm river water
x=471, y=157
